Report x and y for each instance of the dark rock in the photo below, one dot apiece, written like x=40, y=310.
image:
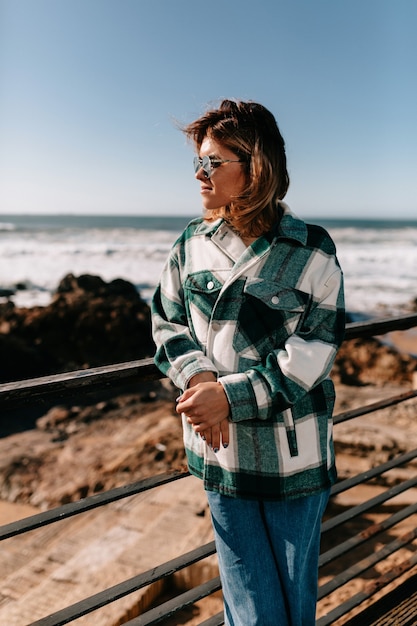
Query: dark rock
x=20, y=359
x=368, y=361
x=6, y=293
x=88, y=323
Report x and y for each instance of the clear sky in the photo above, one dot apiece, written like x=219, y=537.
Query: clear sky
x=91, y=91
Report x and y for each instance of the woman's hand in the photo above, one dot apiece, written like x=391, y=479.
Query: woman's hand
x=206, y=407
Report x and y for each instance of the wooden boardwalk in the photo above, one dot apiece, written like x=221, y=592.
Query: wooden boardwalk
x=57, y=565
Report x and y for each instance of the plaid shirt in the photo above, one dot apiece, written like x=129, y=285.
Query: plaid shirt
x=267, y=320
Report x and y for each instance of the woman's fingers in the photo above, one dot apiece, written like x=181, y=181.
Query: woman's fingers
x=217, y=435
x=224, y=430
x=215, y=438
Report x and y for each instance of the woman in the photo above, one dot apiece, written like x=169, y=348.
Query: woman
x=247, y=320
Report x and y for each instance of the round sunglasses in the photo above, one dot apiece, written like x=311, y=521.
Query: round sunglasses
x=210, y=163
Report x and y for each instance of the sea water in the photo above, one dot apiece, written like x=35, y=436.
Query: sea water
x=379, y=258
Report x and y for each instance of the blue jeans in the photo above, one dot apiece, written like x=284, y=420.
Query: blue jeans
x=268, y=557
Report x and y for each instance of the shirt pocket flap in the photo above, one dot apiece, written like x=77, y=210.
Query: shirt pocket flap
x=276, y=296
x=203, y=282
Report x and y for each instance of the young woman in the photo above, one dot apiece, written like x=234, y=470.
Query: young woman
x=247, y=320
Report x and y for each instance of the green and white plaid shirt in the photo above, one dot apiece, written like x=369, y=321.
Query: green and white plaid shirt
x=267, y=320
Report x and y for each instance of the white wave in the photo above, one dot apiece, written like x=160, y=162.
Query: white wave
x=379, y=264
x=39, y=260
x=7, y=226
x=379, y=268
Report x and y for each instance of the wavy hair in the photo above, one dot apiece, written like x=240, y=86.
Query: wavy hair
x=250, y=131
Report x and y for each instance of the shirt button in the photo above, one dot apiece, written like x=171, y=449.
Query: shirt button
x=274, y=299
x=210, y=284
x=215, y=326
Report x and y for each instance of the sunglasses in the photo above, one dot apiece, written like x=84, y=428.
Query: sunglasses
x=210, y=163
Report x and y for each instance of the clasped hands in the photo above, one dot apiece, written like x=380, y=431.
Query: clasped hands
x=206, y=408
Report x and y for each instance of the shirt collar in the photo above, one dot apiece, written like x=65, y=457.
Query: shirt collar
x=208, y=228
x=289, y=227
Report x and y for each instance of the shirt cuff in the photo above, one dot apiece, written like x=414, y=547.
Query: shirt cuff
x=240, y=395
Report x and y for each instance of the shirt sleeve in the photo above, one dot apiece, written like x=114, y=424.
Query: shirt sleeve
x=178, y=355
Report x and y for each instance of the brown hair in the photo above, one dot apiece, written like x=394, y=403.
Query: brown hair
x=250, y=131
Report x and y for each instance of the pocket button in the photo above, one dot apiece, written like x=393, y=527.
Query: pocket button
x=274, y=299
x=210, y=284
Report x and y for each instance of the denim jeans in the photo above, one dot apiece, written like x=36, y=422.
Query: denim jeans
x=268, y=557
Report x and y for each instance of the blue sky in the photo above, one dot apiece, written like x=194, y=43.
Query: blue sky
x=91, y=92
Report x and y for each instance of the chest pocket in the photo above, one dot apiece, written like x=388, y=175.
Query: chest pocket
x=201, y=291
x=269, y=314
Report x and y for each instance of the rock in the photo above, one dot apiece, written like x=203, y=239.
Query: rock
x=79, y=451
x=368, y=361
x=6, y=293
x=20, y=359
x=54, y=418
x=88, y=323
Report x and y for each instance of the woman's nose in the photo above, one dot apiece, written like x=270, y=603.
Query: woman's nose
x=200, y=174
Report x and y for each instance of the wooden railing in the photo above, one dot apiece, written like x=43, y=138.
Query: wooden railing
x=336, y=529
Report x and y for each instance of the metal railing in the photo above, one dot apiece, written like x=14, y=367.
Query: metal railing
x=52, y=389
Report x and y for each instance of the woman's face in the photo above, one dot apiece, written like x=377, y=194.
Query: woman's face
x=226, y=182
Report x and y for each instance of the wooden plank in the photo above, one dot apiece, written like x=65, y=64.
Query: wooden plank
x=376, y=327
x=60, y=386
x=49, y=389
x=399, y=608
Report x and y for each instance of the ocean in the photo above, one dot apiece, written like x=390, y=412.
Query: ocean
x=378, y=257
